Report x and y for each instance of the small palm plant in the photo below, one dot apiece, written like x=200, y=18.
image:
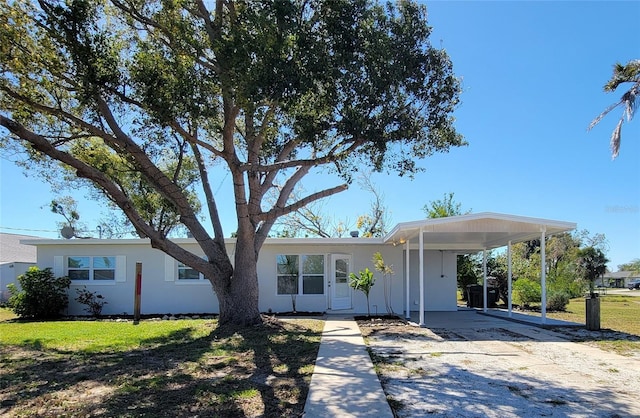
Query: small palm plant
x=363, y=282
x=387, y=272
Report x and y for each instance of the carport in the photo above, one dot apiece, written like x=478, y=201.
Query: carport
x=468, y=234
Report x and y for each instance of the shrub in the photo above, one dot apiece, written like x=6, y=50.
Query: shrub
x=363, y=282
x=526, y=292
x=558, y=302
x=94, y=301
x=42, y=296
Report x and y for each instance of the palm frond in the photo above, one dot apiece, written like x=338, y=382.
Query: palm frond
x=603, y=114
x=614, y=143
x=628, y=73
x=631, y=100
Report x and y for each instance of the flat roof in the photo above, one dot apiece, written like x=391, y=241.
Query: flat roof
x=475, y=232
x=464, y=233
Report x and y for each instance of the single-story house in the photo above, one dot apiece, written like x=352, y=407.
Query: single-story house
x=618, y=279
x=422, y=255
x=15, y=260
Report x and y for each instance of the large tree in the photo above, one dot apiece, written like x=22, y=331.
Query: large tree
x=468, y=266
x=131, y=94
x=314, y=220
x=626, y=74
x=444, y=208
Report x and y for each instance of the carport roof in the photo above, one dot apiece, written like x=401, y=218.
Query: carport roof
x=475, y=232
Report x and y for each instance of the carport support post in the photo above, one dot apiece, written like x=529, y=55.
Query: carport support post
x=421, y=245
x=484, y=280
x=543, y=275
x=408, y=305
x=509, y=279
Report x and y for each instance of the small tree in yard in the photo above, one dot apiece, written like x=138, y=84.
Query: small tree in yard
x=363, y=282
x=387, y=272
x=592, y=263
x=41, y=296
x=288, y=278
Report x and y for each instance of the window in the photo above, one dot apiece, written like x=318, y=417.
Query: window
x=187, y=273
x=300, y=274
x=91, y=268
x=287, y=274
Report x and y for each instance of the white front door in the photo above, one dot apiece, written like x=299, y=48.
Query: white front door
x=340, y=290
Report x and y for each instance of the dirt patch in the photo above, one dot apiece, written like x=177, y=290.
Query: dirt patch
x=510, y=370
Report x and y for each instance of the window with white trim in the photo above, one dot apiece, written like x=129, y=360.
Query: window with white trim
x=187, y=273
x=91, y=268
x=300, y=274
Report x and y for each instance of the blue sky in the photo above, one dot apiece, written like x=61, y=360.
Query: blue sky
x=532, y=74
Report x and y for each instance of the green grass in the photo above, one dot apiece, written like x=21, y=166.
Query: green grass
x=618, y=313
x=99, y=336
x=6, y=314
x=155, y=368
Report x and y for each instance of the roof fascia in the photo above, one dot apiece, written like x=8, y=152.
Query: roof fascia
x=268, y=241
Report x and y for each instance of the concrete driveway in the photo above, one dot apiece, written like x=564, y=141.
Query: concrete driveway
x=623, y=292
x=464, y=364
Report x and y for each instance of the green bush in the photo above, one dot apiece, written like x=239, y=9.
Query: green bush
x=566, y=283
x=93, y=300
x=558, y=302
x=526, y=292
x=42, y=296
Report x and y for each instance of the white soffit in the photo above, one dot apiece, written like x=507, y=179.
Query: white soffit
x=476, y=231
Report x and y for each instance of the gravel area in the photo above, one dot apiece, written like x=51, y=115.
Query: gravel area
x=500, y=369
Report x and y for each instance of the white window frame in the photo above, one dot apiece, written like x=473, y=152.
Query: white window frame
x=172, y=274
x=92, y=269
x=301, y=275
x=182, y=266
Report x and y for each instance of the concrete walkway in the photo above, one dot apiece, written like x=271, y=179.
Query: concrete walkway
x=344, y=383
x=472, y=317
x=529, y=319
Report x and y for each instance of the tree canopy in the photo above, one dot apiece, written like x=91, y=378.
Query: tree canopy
x=633, y=266
x=592, y=263
x=142, y=98
x=443, y=208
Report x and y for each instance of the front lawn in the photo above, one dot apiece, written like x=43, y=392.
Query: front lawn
x=155, y=368
x=620, y=314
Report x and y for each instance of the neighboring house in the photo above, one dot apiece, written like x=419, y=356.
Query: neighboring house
x=15, y=259
x=618, y=279
x=422, y=255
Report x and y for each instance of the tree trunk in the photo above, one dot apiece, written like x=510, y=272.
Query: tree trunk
x=239, y=299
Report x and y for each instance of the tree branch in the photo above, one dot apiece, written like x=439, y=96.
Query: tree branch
x=218, y=233
x=332, y=156
x=277, y=212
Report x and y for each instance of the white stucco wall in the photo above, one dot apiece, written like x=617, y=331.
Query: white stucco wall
x=159, y=294
x=163, y=293
x=9, y=273
x=361, y=257
x=439, y=292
